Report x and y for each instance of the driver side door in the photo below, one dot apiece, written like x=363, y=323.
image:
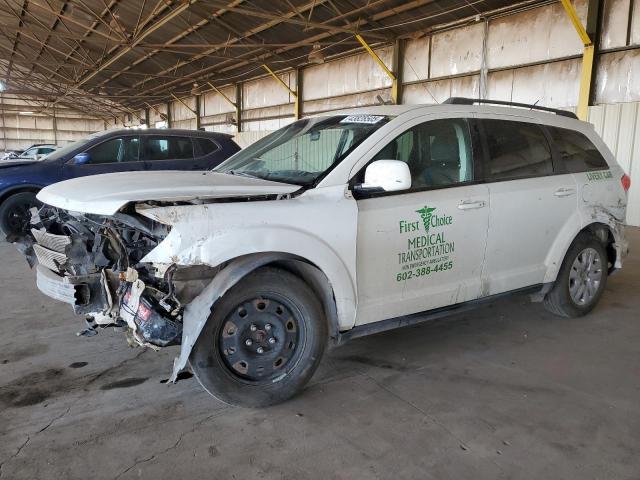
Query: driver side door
x=423, y=248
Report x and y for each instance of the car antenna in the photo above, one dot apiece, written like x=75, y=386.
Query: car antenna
x=534, y=105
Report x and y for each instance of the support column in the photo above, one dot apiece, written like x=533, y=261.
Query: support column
x=299, y=95
x=396, y=67
x=147, y=118
x=197, y=113
x=239, y=106
x=585, y=96
x=55, y=127
x=168, y=114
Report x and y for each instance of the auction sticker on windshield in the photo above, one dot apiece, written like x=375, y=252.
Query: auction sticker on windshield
x=370, y=119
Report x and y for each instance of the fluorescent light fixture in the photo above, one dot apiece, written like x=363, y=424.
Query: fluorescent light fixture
x=2, y=86
x=26, y=113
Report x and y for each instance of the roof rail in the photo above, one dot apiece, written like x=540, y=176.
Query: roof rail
x=471, y=101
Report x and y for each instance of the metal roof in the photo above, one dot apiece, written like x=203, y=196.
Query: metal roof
x=109, y=56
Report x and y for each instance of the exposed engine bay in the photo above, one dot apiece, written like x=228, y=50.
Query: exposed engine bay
x=94, y=263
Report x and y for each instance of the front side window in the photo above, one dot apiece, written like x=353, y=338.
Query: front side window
x=116, y=150
x=577, y=152
x=516, y=150
x=302, y=152
x=438, y=153
x=167, y=148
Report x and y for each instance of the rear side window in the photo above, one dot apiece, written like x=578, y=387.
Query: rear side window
x=516, y=150
x=577, y=152
x=167, y=148
x=204, y=146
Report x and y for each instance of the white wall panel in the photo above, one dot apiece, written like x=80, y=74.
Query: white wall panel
x=618, y=77
x=213, y=103
x=614, y=23
x=347, y=75
x=618, y=125
x=457, y=51
x=635, y=23
x=540, y=34
x=552, y=84
x=180, y=112
x=267, y=91
x=346, y=101
x=415, y=64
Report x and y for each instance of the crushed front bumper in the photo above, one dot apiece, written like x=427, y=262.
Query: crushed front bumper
x=86, y=294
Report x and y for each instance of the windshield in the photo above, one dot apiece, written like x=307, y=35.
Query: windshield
x=302, y=152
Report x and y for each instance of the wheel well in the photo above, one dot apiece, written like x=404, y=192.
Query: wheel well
x=319, y=283
x=604, y=233
x=6, y=195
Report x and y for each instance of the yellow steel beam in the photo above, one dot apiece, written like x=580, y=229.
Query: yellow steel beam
x=228, y=100
x=295, y=94
x=585, y=82
x=587, y=60
x=296, y=107
x=577, y=23
x=378, y=60
x=187, y=106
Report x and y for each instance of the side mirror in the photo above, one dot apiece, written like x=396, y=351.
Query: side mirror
x=386, y=176
x=37, y=157
x=81, y=158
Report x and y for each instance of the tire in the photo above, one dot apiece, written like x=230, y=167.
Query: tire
x=565, y=299
x=14, y=212
x=277, y=312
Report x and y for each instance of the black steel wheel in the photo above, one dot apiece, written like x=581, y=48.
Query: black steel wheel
x=260, y=337
x=263, y=341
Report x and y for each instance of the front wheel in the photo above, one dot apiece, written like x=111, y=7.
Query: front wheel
x=14, y=213
x=263, y=340
x=581, y=280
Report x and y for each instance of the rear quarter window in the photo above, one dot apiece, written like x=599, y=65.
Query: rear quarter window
x=577, y=152
x=204, y=146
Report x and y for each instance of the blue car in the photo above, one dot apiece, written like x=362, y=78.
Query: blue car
x=106, y=152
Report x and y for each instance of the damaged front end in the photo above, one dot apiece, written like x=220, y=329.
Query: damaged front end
x=93, y=263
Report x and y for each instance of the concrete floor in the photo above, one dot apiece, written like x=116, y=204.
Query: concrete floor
x=506, y=391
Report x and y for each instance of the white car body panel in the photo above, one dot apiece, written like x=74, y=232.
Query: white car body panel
x=108, y=193
x=212, y=234
x=398, y=251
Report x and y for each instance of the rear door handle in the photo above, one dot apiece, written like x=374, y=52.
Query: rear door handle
x=469, y=205
x=565, y=192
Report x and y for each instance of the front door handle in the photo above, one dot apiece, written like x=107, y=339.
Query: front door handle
x=469, y=205
x=565, y=192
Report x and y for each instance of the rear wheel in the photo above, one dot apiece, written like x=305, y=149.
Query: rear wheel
x=262, y=342
x=581, y=280
x=14, y=213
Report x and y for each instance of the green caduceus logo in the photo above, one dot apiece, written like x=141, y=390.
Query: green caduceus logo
x=426, y=213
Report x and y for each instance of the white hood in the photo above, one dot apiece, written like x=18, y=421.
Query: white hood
x=108, y=193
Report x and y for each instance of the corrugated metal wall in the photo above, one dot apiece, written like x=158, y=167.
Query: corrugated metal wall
x=619, y=127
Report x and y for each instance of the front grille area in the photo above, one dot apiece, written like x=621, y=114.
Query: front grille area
x=57, y=243
x=49, y=258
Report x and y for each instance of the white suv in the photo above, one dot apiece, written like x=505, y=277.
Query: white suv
x=334, y=227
